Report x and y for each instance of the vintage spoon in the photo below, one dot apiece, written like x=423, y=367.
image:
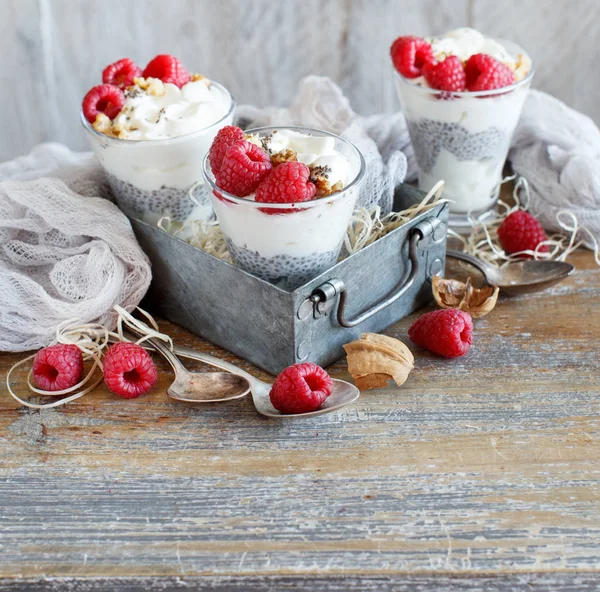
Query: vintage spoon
x=520, y=277
x=201, y=387
x=343, y=393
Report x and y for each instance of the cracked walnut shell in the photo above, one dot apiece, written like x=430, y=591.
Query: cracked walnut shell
x=454, y=294
x=374, y=360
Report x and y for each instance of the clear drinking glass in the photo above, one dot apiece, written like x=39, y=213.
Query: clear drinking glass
x=288, y=244
x=463, y=138
x=152, y=178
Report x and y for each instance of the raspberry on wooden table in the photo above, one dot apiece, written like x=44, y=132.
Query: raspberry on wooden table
x=289, y=182
x=520, y=231
x=243, y=167
x=168, y=69
x=104, y=98
x=301, y=388
x=448, y=74
x=487, y=73
x=410, y=54
x=121, y=73
x=225, y=138
x=58, y=367
x=129, y=370
x=447, y=332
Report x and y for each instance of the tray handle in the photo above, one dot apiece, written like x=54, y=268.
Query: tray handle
x=325, y=294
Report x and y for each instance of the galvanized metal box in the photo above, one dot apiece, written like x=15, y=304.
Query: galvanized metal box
x=273, y=328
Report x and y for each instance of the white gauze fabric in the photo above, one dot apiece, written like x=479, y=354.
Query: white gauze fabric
x=557, y=149
x=65, y=252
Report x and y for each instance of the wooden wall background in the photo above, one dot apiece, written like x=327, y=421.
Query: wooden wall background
x=54, y=50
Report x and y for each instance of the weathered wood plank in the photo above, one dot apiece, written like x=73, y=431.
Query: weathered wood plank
x=483, y=466
x=556, y=582
x=56, y=49
x=23, y=100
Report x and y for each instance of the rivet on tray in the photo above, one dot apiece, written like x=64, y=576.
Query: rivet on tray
x=436, y=267
x=439, y=234
x=306, y=310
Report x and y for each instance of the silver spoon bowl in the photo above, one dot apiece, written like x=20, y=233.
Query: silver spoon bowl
x=520, y=277
x=201, y=387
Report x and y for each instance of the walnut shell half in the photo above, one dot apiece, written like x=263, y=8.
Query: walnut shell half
x=374, y=360
x=454, y=294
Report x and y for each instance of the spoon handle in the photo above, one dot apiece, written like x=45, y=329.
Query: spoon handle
x=478, y=263
x=168, y=354
x=186, y=352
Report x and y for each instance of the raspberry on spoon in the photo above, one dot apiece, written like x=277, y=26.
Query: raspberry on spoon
x=104, y=98
x=448, y=74
x=168, y=69
x=121, y=73
x=410, y=54
x=487, y=73
x=301, y=388
x=129, y=370
x=243, y=167
x=58, y=367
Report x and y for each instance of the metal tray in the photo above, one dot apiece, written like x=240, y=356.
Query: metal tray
x=273, y=328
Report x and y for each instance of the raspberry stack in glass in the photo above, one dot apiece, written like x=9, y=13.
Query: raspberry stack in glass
x=284, y=197
x=150, y=130
x=462, y=95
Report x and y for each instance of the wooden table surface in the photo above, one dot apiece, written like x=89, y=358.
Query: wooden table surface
x=480, y=473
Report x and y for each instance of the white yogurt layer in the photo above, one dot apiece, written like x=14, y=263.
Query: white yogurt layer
x=307, y=230
x=304, y=232
x=165, y=111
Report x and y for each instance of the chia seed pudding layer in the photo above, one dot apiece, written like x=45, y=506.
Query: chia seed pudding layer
x=286, y=271
x=429, y=137
x=166, y=201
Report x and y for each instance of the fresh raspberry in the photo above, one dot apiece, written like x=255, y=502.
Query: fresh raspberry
x=104, y=98
x=243, y=167
x=410, y=54
x=121, y=73
x=168, y=69
x=301, y=388
x=129, y=370
x=226, y=137
x=58, y=367
x=522, y=232
x=445, y=332
x=448, y=74
x=288, y=183
x=486, y=73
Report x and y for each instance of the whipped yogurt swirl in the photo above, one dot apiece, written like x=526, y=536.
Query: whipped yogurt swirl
x=155, y=110
x=313, y=151
x=465, y=42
